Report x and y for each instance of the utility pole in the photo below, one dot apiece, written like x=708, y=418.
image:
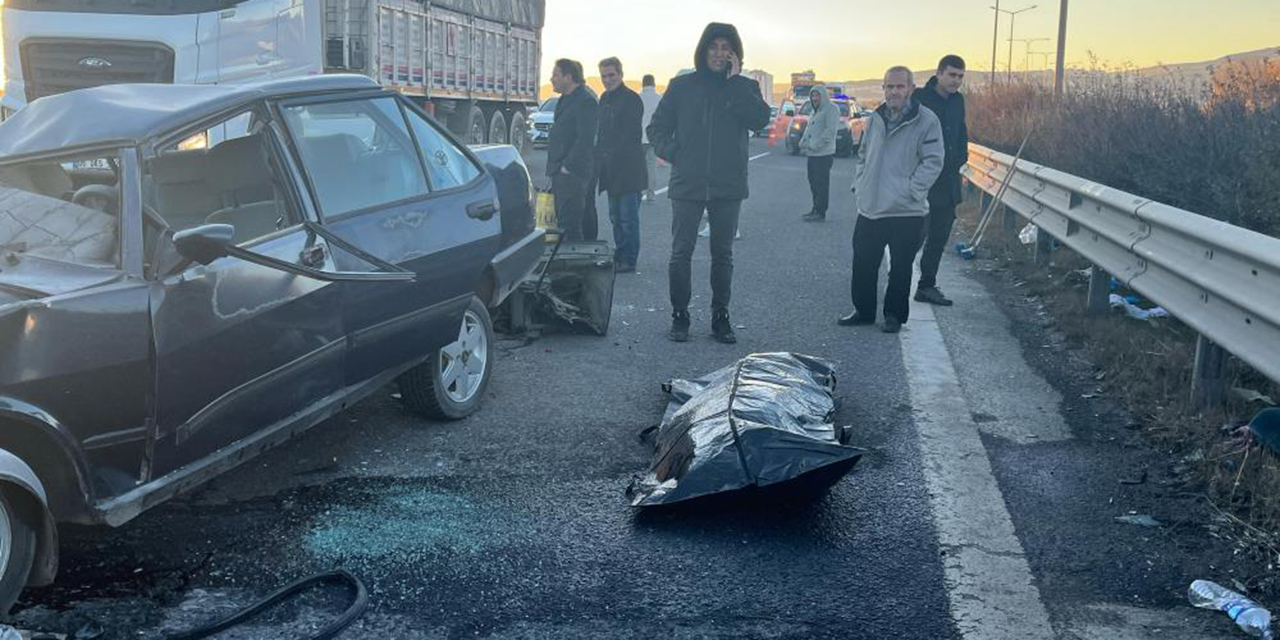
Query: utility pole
x=995, y=36
x=1013, y=15
x=1060, y=74
x=1026, y=58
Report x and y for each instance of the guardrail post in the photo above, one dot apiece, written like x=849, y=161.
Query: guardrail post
x=1010, y=220
x=1099, y=292
x=1209, y=380
x=1044, y=247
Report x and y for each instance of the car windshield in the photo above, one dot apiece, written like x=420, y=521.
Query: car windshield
x=550, y=105
x=807, y=108
x=64, y=209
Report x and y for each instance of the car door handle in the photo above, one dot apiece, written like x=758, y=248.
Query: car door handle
x=482, y=210
x=312, y=256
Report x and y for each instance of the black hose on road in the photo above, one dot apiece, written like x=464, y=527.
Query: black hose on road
x=360, y=601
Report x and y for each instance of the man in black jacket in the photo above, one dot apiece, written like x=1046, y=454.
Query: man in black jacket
x=620, y=162
x=701, y=128
x=571, y=151
x=942, y=96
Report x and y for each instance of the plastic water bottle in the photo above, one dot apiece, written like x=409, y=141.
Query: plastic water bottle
x=1247, y=614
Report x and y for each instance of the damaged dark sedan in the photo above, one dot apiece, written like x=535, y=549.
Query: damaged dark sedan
x=190, y=275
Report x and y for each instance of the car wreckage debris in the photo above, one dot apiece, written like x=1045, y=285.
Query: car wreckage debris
x=762, y=424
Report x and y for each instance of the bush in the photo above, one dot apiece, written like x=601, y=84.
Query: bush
x=1216, y=152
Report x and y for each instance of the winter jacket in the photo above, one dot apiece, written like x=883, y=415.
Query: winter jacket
x=573, y=136
x=946, y=191
x=650, y=97
x=702, y=124
x=819, y=137
x=897, y=166
x=619, y=154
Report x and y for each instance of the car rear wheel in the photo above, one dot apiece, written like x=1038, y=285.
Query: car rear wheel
x=475, y=126
x=498, y=128
x=17, y=549
x=451, y=384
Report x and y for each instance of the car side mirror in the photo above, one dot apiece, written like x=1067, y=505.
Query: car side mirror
x=205, y=243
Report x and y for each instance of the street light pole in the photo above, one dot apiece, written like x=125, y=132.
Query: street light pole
x=1026, y=43
x=995, y=37
x=1012, y=17
x=1060, y=73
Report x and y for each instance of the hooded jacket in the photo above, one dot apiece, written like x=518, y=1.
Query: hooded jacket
x=702, y=124
x=955, y=136
x=619, y=154
x=819, y=138
x=897, y=166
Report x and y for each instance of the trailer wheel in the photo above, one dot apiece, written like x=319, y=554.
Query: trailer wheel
x=475, y=126
x=498, y=128
x=519, y=136
x=17, y=548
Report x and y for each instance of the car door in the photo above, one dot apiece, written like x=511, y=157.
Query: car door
x=369, y=183
x=247, y=41
x=239, y=347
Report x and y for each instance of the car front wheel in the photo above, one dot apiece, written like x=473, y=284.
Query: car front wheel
x=17, y=549
x=451, y=384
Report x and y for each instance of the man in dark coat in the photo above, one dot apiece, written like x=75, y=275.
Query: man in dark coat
x=571, y=151
x=701, y=128
x=620, y=162
x=942, y=96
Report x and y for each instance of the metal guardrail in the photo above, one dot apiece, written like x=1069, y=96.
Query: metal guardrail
x=1221, y=280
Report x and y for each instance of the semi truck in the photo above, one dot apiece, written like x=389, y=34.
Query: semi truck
x=473, y=64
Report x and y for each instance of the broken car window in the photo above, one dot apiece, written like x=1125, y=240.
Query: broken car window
x=63, y=209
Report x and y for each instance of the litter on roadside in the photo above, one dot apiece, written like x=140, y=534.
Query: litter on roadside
x=1029, y=234
x=1265, y=428
x=706, y=232
x=760, y=425
x=10, y=633
x=1249, y=395
x=1139, y=520
x=1251, y=617
x=1120, y=303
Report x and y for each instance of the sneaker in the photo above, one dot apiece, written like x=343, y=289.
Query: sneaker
x=854, y=319
x=933, y=295
x=891, y=325
x=679, y=326
x=722, y=329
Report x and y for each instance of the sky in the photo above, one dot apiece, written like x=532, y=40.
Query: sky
x=859, y=39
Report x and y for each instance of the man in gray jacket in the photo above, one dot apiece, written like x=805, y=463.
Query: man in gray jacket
x=818, y=143
x=900, y=158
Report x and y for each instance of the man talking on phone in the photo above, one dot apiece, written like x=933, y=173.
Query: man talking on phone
x=701, y=128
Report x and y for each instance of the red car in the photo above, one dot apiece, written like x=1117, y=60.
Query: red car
x=791, y=122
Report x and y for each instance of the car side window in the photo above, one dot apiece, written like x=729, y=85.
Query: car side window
x=226, y=174
x=65, y=209
x=357, y=153
x=447, y=165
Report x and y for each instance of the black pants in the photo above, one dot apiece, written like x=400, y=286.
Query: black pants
x=820, y=182
x=571, y=200
x=870, y=237
x=590, y=215
x=686, y=216
x=937, y=233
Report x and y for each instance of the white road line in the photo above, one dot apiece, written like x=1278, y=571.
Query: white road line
x=989, y=583
x=664, y=189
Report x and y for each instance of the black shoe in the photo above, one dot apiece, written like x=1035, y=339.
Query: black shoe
x=891, y=325
x=679, y=326
x=809, y=214
x=814, y=216
x=722, y=329
x=623, y=267
x=854, y=319
x=932, y=295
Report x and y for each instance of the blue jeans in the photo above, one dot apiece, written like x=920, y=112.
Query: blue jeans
x=624, y=213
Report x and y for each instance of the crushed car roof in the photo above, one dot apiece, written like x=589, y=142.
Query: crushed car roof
x=132, y=113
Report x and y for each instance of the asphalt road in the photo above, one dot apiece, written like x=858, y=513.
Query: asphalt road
x=984, y=507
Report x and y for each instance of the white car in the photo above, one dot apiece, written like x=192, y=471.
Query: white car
x=541, y=120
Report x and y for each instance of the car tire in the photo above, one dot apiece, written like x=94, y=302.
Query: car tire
x=475, y=126
x=497, y=129
x=17, y=547
x=519, y=134
x=795, y=151
x=435, y=390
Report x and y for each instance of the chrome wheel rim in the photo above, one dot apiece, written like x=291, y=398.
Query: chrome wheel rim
x=464, y=362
